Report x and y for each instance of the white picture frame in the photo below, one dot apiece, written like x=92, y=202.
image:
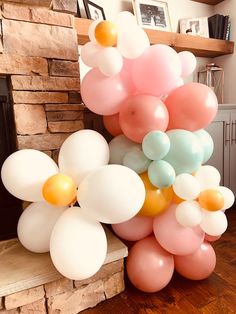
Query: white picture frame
x=152, y=14
x=197, y=26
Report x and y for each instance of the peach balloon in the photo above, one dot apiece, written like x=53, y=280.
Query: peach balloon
x=210, y=238
x=141, y=114
x=191, y=107
x=175, y=238
x=149, y=266
x=134, y=229
x=104, y=95
x=211, y=200
x=156, y=200
x=112, y=124
x=199, y=265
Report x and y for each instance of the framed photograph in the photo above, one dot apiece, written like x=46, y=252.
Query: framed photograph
x=152, y=14
x=195, y=26
x=78, y=13
x=93, y=11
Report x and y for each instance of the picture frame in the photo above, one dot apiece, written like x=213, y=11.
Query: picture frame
x=78, y=13
x=152, y=14
x=93, y=11
x=197, y=26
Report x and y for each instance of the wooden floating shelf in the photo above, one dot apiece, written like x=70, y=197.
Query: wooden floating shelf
x=200, y=46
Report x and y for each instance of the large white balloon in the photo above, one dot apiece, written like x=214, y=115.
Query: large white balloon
x=24, y=173
x=119, y=146
x=110, y=61
x=214, y=223
x=78, y=245
x=35, y=226
x=228, y=195
x=112, y=194
x=208, y=177
x=186, y=186
x=89, y=54
x=82, y=152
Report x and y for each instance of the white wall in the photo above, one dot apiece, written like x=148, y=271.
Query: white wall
x=177, y=10
x=228, y=62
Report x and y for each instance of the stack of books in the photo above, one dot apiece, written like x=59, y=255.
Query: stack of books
x=219, y=26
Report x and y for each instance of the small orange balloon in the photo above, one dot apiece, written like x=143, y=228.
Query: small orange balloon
x=59, y=190
x=211, y=200
x=106, y=34
x=177, y=199
x=156, y=200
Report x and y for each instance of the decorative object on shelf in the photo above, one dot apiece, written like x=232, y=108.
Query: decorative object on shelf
x=94, y=11
x=152, y=14
x=213, y=76
x=195, y=26
x=219, y=26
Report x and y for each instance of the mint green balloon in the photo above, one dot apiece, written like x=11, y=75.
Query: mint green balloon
x=156, y=145
x=207, y=144
x=136, y=160
x=161, y=174
x=186, y=153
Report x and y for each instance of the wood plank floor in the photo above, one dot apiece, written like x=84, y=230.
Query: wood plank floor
x=215, y=295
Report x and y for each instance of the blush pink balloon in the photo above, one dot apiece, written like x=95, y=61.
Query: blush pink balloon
x=157, y=71
x=188, y=62
x=141, y=114
x=102, y=94
x=149, y=266
x=191, y=107
x=134, y=229
x=112, y=124
x=210, y=238
x=175, y=238
x=198, y=265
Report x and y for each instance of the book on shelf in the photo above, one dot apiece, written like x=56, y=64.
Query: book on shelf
x=219, y=26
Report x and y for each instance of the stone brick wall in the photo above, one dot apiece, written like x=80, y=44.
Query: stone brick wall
x=39, y=54
x=66, y=296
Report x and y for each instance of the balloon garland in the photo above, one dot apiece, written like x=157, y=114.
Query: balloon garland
x=156, y=191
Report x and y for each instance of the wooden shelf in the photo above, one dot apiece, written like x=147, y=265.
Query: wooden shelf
x=212, y=2
x=200, y=46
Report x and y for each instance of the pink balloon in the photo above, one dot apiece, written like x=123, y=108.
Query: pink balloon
x=141, y=114
x=112, y=124
x=199, y=265
x=102, y=94
x=149, y=266
x=175, y=238
x=210, y=238
x=188, y=62
x=191, y=107
x=157, y=71
x=134, y=229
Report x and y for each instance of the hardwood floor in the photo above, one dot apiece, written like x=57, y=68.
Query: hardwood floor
x=215, y=295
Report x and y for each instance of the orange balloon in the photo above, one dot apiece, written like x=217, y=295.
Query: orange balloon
x=112, y=124
x=59, y=190
x=176, y=199
x=156, y=200
x=106, y=33
x=211, y=200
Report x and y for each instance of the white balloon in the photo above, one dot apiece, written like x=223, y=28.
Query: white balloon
x=78, y=245
x=82, y=152
x=186, y=186
x=127, y=42
x=214, y=223
x=119, y=146
x=24, y=173
x=91, y=30
x=110, y=61
x=228, y=195
x=112, y=194
x=125, y=19
x=89, y=54
x=208, y=177
x=35, y=226
x=189, y=214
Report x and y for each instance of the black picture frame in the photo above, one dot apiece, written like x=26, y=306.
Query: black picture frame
x=78, y=13
x=91, y=8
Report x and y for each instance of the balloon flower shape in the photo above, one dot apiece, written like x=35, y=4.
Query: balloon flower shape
x=53, y=222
